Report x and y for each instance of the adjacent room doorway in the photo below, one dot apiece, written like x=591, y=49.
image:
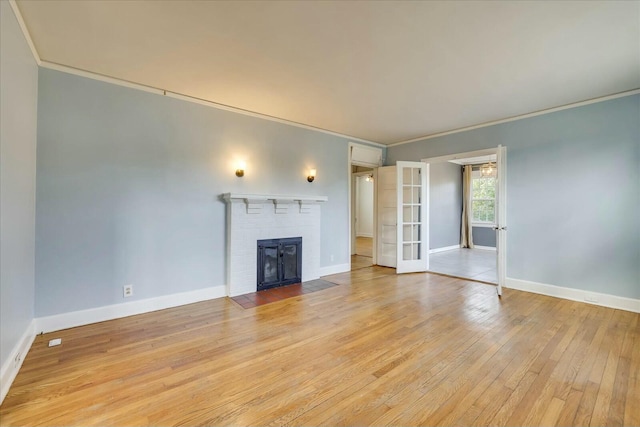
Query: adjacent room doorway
x=362, y=193
x=469, y=200
x=363, y=163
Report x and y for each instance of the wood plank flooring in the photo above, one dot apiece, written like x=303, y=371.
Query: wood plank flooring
x=364, y=246
x=359, y=261
x=381, y=349
x=364, y=253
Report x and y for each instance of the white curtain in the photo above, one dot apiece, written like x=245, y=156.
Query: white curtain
x=466, y=235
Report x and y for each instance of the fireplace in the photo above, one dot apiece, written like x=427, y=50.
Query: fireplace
x=253, y=217
x=279, y=262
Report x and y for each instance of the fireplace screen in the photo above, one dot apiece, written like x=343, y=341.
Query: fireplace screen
x=279, y=262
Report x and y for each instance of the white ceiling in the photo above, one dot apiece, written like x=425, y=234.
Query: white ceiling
x=380, y=71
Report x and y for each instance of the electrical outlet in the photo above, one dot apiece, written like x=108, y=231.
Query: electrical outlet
x=127, y=291
x=331, y=257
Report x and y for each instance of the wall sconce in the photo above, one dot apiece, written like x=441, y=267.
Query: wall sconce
x=312, y=175
x=240, y=169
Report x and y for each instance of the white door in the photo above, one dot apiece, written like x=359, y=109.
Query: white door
x=412, y=217
x=386, y=245
x=501, y=216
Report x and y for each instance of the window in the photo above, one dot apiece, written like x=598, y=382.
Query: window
x=483, y=199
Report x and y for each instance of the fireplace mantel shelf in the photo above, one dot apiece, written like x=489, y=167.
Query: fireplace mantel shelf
x=277, y=198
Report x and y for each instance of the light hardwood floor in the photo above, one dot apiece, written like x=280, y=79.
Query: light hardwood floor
x=364, y=253
x=380, y=349
x=364, y=246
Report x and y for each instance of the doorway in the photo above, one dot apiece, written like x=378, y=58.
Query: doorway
x=473, y=247
x=363, y=163
x=363, y=209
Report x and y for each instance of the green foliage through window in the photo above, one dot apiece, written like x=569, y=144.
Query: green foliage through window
x=483, y=194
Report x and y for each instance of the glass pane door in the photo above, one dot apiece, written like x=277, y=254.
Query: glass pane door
x=413, y=242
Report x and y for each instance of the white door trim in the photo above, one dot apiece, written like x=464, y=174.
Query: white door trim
x=458, y=156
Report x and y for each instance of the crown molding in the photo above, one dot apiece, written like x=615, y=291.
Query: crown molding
x=25, y=31
x=520, y=117
x=101, y=77
x=267, y=117
x=195, y=100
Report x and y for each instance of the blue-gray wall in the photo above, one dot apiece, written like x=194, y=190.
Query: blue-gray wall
x=18, y=120
x=445, y=209
x=445, y=204
x=484, y=236
x=573, y=193
x=128, y=185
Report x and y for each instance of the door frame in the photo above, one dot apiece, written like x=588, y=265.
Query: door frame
x=351, y=213
x=501, y=220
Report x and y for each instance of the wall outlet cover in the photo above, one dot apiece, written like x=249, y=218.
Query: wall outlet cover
x=127, y=291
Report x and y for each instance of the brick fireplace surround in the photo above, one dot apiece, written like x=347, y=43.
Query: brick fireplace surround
x=253, y=217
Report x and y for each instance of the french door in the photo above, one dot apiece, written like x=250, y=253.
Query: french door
x=403, y=217
x=412, y=217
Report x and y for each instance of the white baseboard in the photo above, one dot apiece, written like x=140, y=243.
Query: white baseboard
x=605, y=300
x=116, y=311
x=484, y=248
x=334, y=269
x=12, y=365
x=443, y=249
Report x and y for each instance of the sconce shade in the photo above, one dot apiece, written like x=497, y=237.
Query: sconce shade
x=240, y=169
x=312, y=175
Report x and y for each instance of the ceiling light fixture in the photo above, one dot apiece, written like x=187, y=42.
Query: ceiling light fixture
x=488, y=170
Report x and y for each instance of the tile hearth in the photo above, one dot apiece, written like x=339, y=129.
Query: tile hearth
x=255, y=299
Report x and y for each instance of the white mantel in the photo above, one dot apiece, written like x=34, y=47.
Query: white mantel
x=253, y=217
x=267, y=197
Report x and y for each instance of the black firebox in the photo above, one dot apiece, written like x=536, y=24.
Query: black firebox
x=279, y=262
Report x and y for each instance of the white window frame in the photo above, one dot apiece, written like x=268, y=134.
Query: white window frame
x=487, y=224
